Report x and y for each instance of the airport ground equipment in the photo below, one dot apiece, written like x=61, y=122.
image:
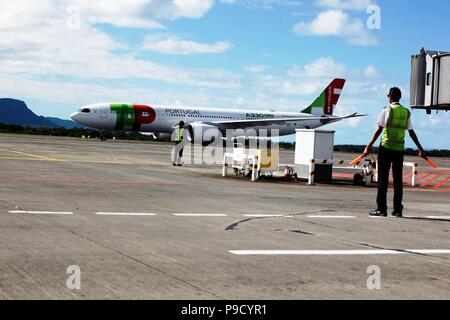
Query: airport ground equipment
x=314, y=160
x=243, y=162
x=314, y=144
x=430, y=81
x=253, y=163
x=258, y=163
x=362, y=174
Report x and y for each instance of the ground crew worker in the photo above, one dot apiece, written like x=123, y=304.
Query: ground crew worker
x=394, y=120
x=179, y=144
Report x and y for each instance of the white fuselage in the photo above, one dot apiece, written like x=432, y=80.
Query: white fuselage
x=163, y=119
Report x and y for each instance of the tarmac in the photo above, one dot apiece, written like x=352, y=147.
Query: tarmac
x=138, y=228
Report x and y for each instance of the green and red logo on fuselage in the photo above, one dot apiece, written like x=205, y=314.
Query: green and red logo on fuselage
x=132, y=115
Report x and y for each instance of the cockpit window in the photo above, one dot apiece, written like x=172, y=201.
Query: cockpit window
x=86, y=110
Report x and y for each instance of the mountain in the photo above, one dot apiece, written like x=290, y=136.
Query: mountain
x=14, y=111
x=69, y=124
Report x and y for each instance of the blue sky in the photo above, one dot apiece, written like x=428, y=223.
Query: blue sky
x=268, y=54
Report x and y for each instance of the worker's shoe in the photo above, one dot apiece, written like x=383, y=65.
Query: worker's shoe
x=378, y=213
x=397, y=214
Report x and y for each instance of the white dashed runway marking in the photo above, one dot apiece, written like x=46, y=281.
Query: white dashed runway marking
x=199, y=215
x=124, y=214
x=217, y=215
x=265, y=216
x=41, y=212
x=334, y=252
x=332, y=217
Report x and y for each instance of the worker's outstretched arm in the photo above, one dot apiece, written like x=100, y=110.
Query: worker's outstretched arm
x=414, y=138
x=374, y=139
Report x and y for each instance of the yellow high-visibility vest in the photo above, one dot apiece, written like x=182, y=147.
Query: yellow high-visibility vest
x=397, y=124
x=179, y=134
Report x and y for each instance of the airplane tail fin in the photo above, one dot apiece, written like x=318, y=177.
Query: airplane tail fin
x=328, y=99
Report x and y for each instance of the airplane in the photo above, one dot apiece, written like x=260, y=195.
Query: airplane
x=162, y=120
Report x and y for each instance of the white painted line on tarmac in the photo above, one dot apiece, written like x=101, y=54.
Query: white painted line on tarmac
x=124, y=214
x=333, y=252
x=427, y=217
x=42, y=212
x=199, y=215
x=332, y=217
x=264, y=215
x=430, y=251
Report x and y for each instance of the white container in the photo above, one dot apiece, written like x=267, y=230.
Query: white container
x=313, y=144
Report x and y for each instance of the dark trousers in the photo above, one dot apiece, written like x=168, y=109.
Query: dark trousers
x=386, y=158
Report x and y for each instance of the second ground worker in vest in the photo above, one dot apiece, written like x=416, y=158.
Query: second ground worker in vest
x=177, y=152
x=394, y=120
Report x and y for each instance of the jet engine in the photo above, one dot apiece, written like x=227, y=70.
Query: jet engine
x=205, y=134
x=165, y=137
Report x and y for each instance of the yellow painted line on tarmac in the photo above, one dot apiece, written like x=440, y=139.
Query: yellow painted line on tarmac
x=40, y=158
x=30, y=155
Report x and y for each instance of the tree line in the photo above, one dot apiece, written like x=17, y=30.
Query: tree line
x=72, y=132
x=349, y=148
x=120, y=135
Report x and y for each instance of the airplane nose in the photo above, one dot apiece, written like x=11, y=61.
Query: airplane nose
x=75, y=116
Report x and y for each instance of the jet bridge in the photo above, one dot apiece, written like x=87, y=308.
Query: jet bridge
x=430, y=81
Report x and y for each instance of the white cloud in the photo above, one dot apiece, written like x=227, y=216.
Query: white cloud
x=296, y=87
x=337, y=23
x=364, y=86
x=305, y=80
x=119, y=13
x=22, y=14
x=175, y=9
x=256, y=69
x=322, y=67
x=177, y=46
x=38, y=43
x=75, y=94
x=264, y=4
x=131, y=13
x=371, y=72
x=140, y=13
x=358, y=5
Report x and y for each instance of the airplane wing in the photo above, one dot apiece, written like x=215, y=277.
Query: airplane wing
x=237, y=124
